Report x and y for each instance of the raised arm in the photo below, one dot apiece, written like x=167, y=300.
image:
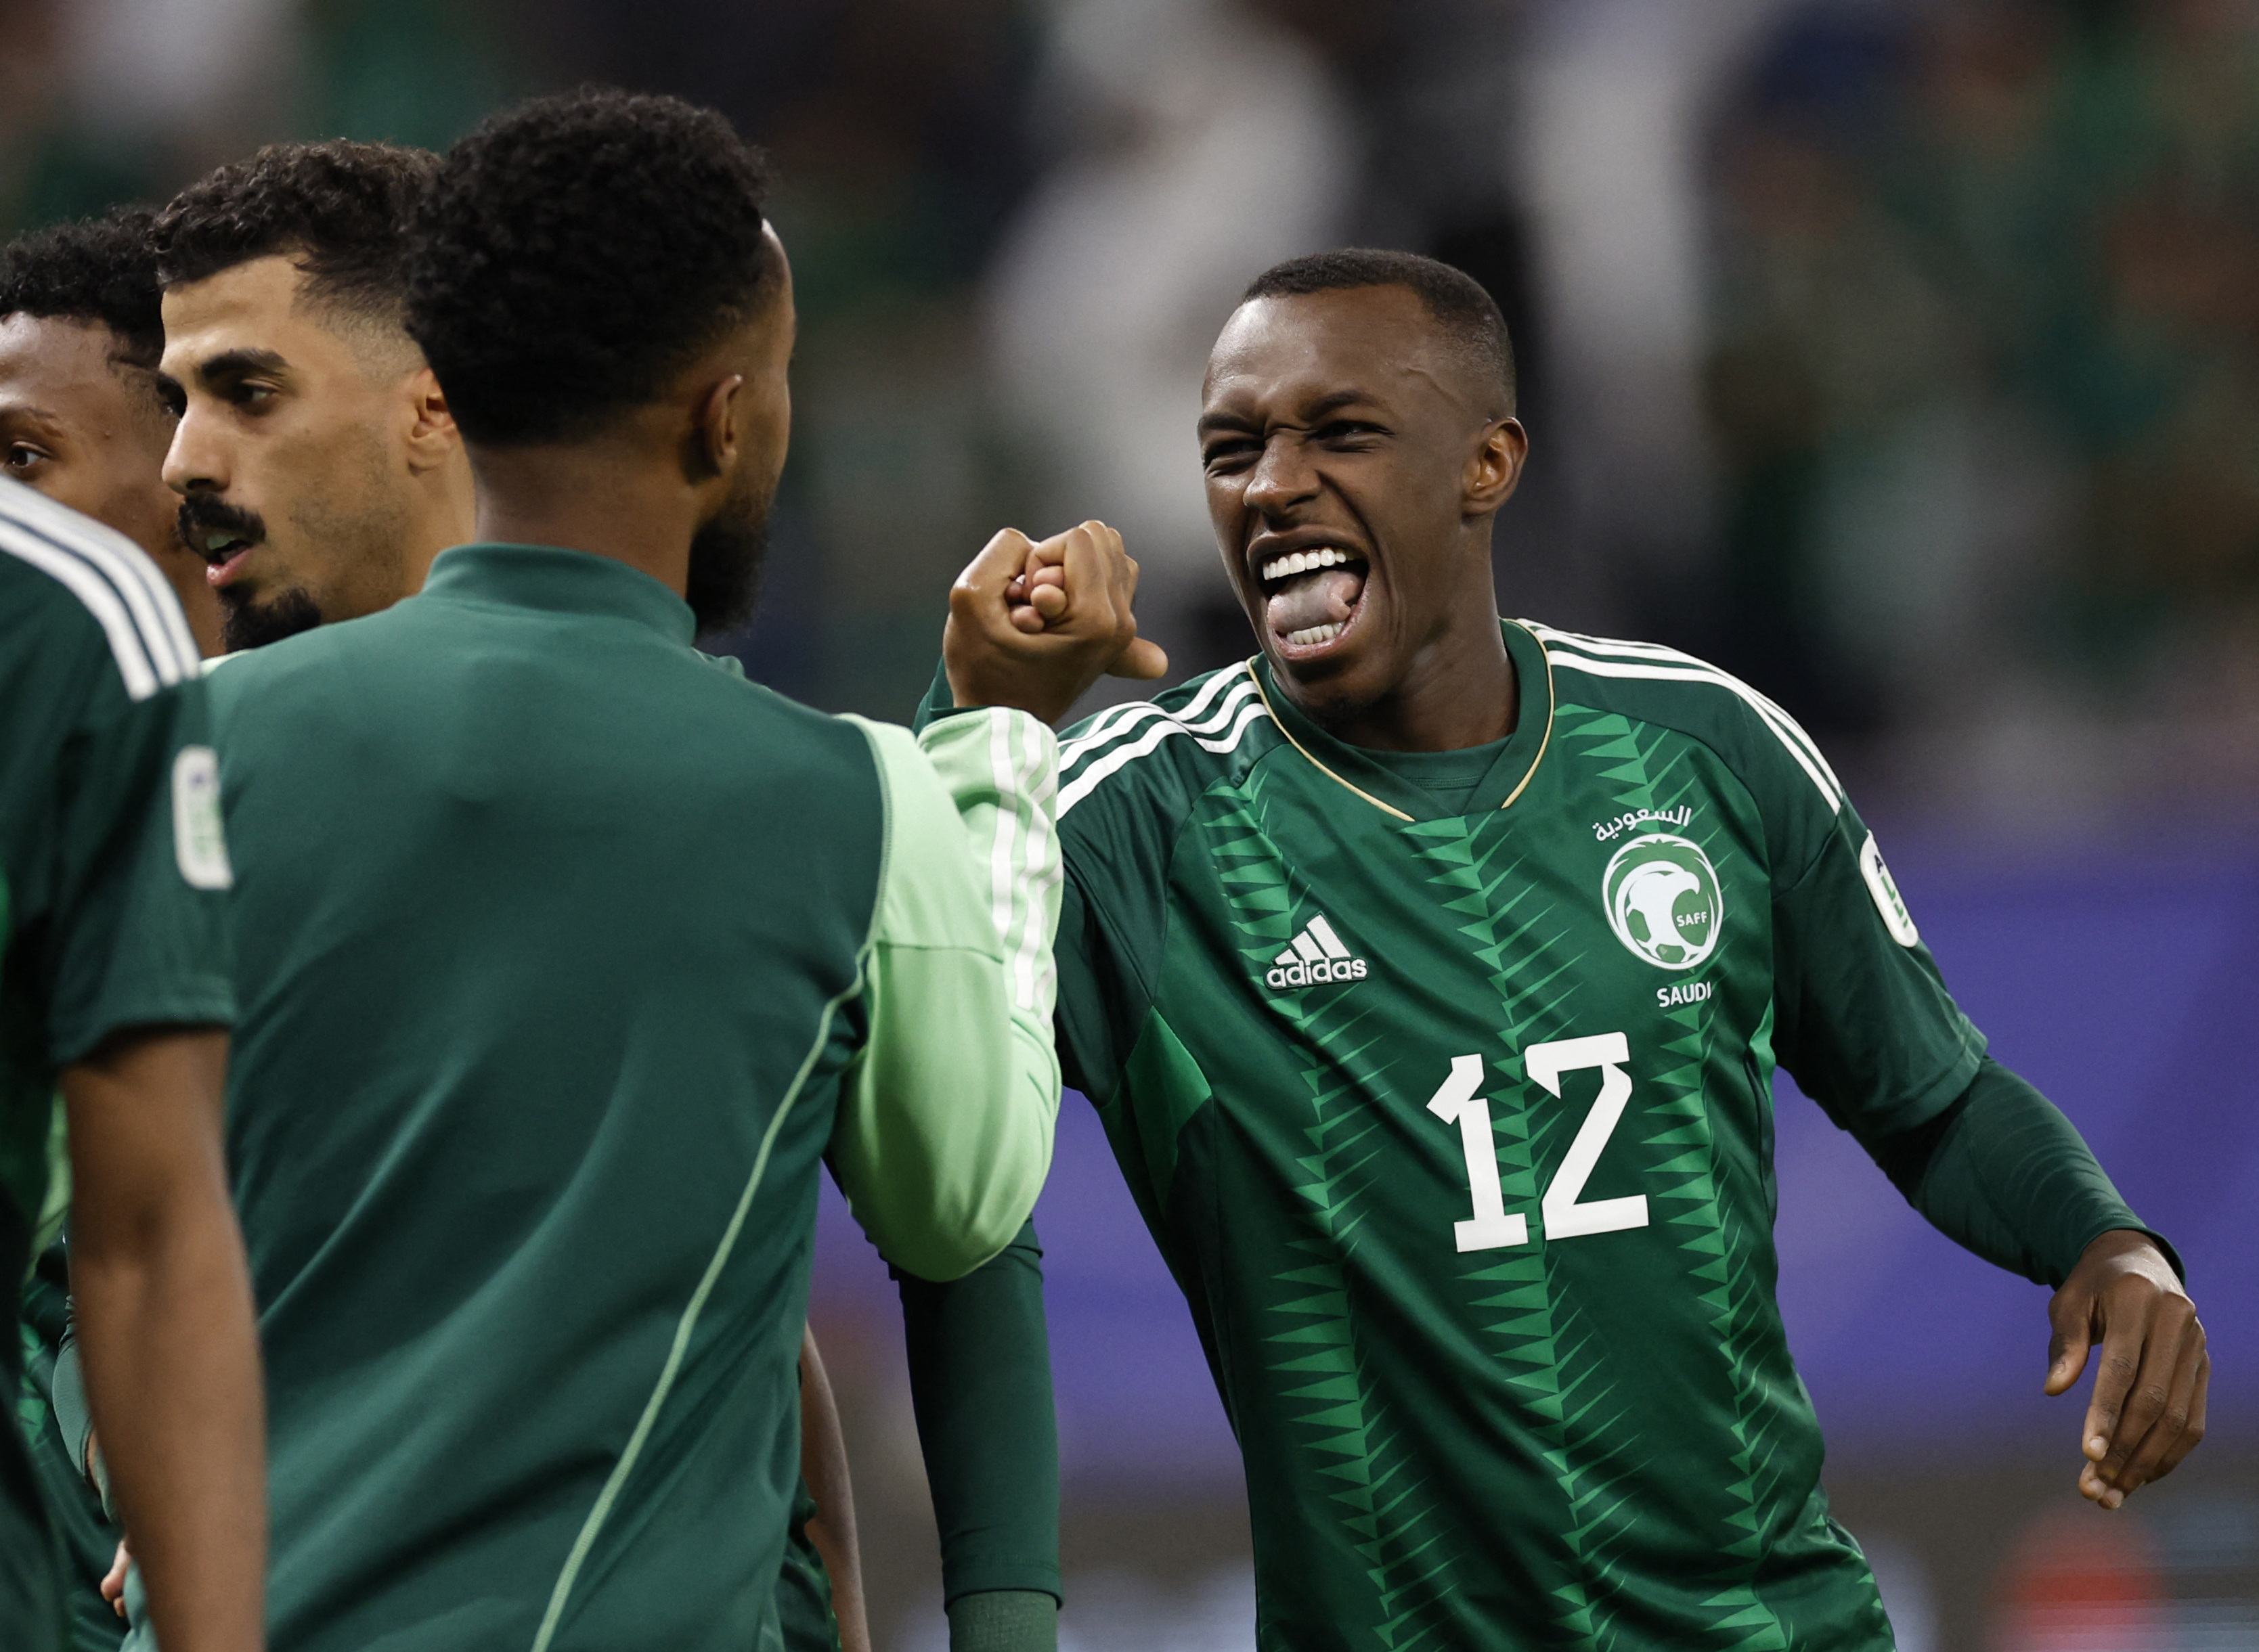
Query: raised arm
x=945, y=1129
x=165, y=1328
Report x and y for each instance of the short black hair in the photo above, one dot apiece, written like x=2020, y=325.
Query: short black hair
x=1463, y=311
x=96, y=270
x=577, y=252
x=340, y=210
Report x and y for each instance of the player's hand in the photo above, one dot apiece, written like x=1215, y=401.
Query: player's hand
x=1033, y=625
x=2153, y=1373
x=113, y=1581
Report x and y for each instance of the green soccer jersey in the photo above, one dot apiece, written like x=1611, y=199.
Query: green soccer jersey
x=111, y=866
x=88, y=1537
x=1450, y=1105
x=563, y=959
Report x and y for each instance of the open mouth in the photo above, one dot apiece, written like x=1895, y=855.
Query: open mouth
x=224, y=553
x=1312, y=596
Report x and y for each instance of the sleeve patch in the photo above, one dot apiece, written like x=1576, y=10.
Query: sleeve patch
x=199, y=841
x=1888, y=902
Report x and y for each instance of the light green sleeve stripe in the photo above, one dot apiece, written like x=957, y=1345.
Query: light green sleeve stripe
x=945, y=1129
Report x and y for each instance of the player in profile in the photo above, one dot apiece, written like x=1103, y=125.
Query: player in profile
x=317, y=467
x=81, y=416
x=114, y=981
x=591, y=949
x=1428, y=972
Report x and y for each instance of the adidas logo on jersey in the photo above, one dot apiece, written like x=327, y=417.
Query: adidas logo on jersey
x=1317, y=955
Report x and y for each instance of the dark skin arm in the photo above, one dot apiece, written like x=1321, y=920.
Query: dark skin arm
x=162, y=1300
x=823, y=1465
x=2153, y=1373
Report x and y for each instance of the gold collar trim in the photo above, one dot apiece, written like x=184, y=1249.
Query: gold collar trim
x=1544, y=742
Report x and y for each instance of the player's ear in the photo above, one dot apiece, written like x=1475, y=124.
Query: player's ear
x=717, y=429
x=1494, y=468
x=433, y=437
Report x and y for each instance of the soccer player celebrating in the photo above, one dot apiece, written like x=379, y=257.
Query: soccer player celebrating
x=1428, y=972
x=113, y=976
x=81, y=416
x=564, y=955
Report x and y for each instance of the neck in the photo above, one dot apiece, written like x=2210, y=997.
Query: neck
x=447, y=514
x=1459, y=692
x=602, y=496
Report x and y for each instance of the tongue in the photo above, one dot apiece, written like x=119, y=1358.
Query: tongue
x=1323, y=598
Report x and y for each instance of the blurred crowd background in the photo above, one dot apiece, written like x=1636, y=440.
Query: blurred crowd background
x=1901, y=355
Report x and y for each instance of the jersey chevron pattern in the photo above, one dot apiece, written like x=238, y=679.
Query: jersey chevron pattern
x=1454, y=1123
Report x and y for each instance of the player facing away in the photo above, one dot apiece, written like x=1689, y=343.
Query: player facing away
x=299, y=387
x=304, y=401
x=82, y=419
x=1428, y=972
x=591, y=949
x=114, y=981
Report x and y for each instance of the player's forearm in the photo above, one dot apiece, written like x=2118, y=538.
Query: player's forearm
x=980, y=1383
x=823, y=1466
x=166, y=1335
x=2004, y=1174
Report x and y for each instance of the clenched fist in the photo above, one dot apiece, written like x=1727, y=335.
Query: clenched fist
x=1032, y=625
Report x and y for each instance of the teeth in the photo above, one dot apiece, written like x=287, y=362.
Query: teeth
x=1315, y=634
x=216, y=543
x=1303, y=562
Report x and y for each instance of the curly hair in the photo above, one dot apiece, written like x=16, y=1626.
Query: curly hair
x=1466, y=314
x=96, y=270
x=578, y=252
x=340, y=210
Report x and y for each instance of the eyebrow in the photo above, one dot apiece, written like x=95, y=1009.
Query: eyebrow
x=1324, y=405
x=231, y=364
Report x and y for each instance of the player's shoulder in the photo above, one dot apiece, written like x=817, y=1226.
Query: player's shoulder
x=794, y=750
x=1160, y=754
x=823, y=735
x=82, y=599
x=1667, y=688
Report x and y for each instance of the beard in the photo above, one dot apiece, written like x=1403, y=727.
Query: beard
x=244, y=623
x=726, y=557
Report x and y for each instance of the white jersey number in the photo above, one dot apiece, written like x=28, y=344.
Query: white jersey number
x=1567, y=1215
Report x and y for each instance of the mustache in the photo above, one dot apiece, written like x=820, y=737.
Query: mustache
x=201, y=517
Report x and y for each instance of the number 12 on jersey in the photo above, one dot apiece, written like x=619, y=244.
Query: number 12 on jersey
x=1567, y=1215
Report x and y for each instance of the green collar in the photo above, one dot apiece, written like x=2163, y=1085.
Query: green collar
x=1368, y=774
x=558, y=581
